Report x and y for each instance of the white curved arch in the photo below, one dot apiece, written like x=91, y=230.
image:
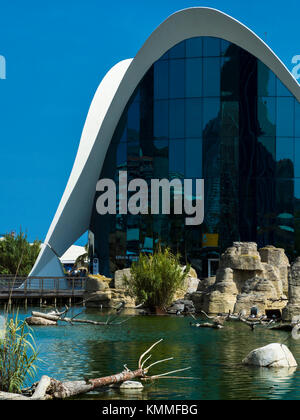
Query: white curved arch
x=73, y=214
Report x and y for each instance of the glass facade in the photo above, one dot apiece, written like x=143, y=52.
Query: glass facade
x=207, y=109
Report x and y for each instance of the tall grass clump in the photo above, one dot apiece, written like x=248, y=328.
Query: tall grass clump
x=18, y=354
x=155, y=278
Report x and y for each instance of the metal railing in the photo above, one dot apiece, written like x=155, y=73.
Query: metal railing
x=42, y=285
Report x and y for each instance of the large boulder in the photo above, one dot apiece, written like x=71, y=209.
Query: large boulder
x=273, y=355
x=276, y=257
x=242, y=256
x=246, y=277
x=119, y=278
x=293, y=307
x=97, y=284
x=109, y=298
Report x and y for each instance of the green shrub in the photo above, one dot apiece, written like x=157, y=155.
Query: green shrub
x=156, y=278
x=17, y=355
x=17, y=255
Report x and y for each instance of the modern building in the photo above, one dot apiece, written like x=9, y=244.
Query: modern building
x=205, y=97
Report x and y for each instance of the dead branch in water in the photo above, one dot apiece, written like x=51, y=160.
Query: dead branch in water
x=48, y=388
x=60, y=316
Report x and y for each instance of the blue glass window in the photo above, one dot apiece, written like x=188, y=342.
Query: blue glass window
x=193, y=118
x=267, y=116
x=176, y=158
x=193, y=158
x=177, y=78
x=285, y=117
x=161, y=119
x=285, y=157
x=193, y=78
x=211, y=116
x=176, y=118
x=178, y=51
x=297, y=118
x=211, y=47
x=266, y=80
x=282, y=90
x=297, y=158
x=161, y=80
x=133, y=122
x=211, y=76
x=194, y=47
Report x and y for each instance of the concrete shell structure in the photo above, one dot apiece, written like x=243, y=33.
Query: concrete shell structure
x=73, y=215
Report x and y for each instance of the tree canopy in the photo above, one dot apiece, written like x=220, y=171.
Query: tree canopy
x=17, y=255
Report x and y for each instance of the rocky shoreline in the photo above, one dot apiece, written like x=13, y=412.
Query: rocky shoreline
x=247, y=277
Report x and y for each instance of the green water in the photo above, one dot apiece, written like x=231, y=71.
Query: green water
x=88, y=351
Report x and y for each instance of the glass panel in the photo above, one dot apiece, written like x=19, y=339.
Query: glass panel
x=224, y=46
x=193, y=78
x=230, y=119
x=297, y=118
x=282, y=90
x=230, y=87
x=193, y=158
x=267, y=116
x=161, y=119
x=211, y=47
x=176, y=78
x=297, y=202
x=266, y=80
x=176, y=159
x=211, y=116
x=194, y=47
x=178, y=51
x=211, y=77
x=285, y=117
x=297, y=158
x=161, y=80
x=122, y=156
x=268, y=147
x=284, y=197
x=193, y=117
x=177, y=118
x=133, y=122
x=285, y=157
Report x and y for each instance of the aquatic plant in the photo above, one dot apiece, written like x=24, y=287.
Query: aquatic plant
x=18, y=354
x=155, y=278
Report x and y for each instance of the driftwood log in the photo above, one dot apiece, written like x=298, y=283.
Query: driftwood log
x=48, y=388
x=52, y=318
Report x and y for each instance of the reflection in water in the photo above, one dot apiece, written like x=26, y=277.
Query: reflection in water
x=86, y=351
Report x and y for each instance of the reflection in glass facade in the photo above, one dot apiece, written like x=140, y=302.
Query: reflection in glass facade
x=207, y=109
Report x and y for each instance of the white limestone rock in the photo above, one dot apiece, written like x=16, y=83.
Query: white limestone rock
x=131, y=385
x=273, y=355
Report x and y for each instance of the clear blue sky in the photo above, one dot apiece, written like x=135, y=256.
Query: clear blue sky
x=57, y=52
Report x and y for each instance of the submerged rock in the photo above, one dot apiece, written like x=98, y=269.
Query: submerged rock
x=131, y=385
x=35, y=320
x=273, y=355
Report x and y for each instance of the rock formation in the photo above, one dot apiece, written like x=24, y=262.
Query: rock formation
x=292, y=309
x=99, y=294
x=273, y=355
x=246, y=278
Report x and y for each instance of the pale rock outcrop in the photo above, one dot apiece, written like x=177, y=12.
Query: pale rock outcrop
x=246, y=277
x=273, y=355
x=293, y=307
x=109, y=298
x=119, y=278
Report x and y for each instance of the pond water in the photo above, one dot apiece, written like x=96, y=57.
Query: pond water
x=71, y=352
